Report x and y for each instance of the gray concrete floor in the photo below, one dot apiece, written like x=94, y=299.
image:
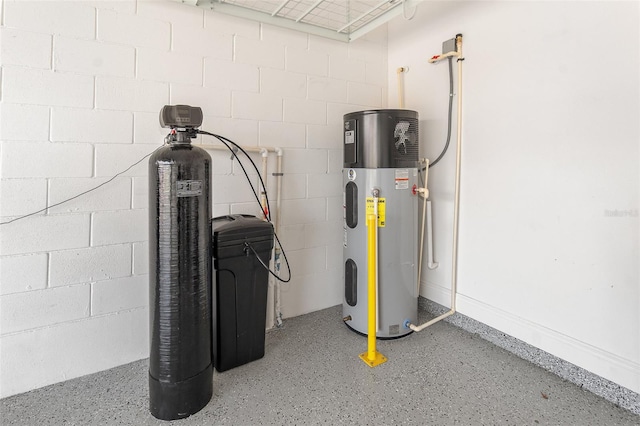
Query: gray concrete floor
x=311, y=374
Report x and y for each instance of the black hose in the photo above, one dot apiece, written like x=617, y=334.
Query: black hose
x=248, y=245
x=267, y=215
x=226, y=141
x=446, y=145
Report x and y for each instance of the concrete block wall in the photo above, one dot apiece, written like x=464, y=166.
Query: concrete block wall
x=82, y=85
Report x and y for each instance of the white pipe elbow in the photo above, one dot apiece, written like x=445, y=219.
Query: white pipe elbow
x=278, y=151
x=264, y=152
x=424, y=192
x=417, y=328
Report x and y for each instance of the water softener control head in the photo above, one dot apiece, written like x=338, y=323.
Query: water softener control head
x=180, y=117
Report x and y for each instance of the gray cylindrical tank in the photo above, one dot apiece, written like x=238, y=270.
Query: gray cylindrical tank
x=180, y=362
x=381, y=152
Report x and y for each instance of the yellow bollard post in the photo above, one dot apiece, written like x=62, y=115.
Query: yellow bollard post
x=372, y=357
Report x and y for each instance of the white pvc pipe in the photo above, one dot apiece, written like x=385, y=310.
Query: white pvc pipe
x=437, y=58
x=433, y=321
x=425, y=194
x=259, y=149
x=263, y=197
x=265, y=213
x=456, y=209
x=400, y=77
x=430, y=263
x=456, y=204
x=277, y=251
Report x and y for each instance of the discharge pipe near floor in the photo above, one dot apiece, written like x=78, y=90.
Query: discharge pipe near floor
x=456, y=205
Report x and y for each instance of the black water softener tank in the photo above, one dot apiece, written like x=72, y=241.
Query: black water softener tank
x=242, y=250
x=180, y=362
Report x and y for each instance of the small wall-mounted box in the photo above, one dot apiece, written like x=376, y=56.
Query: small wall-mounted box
x=449, y=46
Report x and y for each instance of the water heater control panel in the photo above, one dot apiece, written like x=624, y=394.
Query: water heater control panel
x=350, y=146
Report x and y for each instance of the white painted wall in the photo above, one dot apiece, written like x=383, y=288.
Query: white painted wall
x=82, y=85
x=549, y=233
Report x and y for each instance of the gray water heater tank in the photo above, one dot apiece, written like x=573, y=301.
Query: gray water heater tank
x=381, y=152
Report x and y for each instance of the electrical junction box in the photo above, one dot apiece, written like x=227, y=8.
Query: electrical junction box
x=449, y=46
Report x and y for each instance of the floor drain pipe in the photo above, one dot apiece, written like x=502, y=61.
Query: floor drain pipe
x=456, y=206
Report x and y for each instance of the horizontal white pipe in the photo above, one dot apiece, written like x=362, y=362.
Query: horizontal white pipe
x=433, y=321
x=438, y=58
x=260, y=149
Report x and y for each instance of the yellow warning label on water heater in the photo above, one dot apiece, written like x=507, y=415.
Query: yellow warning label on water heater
x=381, y=210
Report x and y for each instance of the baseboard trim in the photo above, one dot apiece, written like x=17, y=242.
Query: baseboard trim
x=476, y=317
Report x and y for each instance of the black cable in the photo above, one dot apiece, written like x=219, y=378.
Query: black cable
x=224, y=140
x=226, y=143
x=82, y=193
x=267, y=215
x=246, y=175
x=264, y=187
x=446, y=145
x=248, y=245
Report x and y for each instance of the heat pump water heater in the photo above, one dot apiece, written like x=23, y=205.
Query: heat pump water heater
x=381, y=153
